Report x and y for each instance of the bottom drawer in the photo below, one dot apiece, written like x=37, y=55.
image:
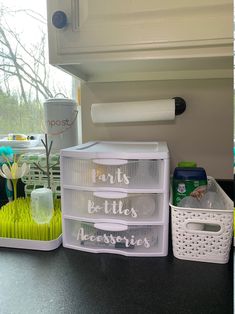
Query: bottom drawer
x=149, y=240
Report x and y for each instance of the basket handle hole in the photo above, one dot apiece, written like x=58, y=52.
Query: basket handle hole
x=212, y=227
x=203, y=226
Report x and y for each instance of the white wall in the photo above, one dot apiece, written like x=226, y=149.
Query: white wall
x=203, y=133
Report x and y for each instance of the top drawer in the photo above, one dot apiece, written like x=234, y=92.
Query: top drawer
x=113, y=173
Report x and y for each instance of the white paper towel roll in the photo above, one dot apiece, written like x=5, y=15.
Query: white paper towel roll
x=150, y=110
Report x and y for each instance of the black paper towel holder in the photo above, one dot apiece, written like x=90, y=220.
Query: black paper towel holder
x=180, y=105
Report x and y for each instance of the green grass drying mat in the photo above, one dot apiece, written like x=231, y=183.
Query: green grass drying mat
x=16, y=222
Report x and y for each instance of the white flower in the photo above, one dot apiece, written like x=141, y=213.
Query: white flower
x=14, y=171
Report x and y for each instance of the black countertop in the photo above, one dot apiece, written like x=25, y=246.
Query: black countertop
x=70, y=282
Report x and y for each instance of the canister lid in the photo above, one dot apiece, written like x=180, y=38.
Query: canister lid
x=186, y=173
x=61, y=101
x=187, y=164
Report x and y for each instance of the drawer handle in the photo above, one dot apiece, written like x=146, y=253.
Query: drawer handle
x=110, y=227
x=111, y=162
x=110, y=194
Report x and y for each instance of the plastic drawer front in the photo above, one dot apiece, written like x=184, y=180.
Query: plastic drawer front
x=115, y=238
x=113, y=205
x=117, y=173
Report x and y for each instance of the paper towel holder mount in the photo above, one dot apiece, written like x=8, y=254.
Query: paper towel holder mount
x=180, y=105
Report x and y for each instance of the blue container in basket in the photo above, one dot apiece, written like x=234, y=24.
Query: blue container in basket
x=188, y=179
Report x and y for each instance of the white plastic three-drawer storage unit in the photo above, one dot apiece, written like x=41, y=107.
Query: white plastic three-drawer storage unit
x=115, y=197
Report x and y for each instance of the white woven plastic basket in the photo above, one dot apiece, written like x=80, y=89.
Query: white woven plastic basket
x=203, y=234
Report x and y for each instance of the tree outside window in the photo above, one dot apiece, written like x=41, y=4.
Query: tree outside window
x=26, y=78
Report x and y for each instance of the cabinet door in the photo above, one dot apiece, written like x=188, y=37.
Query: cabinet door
x=113, y=25
x=121, y=30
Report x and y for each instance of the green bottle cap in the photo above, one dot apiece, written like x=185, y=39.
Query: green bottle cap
x=187, y=164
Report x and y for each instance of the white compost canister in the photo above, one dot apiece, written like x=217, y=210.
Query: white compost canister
x=61, y=122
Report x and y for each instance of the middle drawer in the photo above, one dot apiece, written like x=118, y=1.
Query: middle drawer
x=114, y=205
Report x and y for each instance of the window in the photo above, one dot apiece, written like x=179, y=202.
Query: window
x=26, y=78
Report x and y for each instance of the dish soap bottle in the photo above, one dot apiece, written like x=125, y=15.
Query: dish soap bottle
x=188, y=180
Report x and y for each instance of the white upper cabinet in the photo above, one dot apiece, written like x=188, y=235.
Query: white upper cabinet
x=119, y=40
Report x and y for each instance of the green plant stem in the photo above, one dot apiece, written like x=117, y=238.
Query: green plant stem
x=14, y=181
